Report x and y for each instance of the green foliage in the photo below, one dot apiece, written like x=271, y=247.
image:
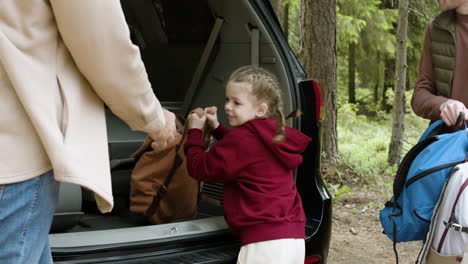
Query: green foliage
x=363, y=143
x=295, y=4
x=364, y=131
x=367, y=24
x=373, y=27
x=338, y=190
x=360, y=20
x=379, y=36
x=350, y=27
x=294, y=23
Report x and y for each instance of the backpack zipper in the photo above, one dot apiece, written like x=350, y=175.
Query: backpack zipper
x=432, y=170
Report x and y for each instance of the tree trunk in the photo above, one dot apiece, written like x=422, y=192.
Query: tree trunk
x=277, y=7
x=389, y=83
x=318, y=56
x=352, y=73
x=281, y=8
x=376, y=92
x=394, y=153
x=408, y=80
x=377, y=83
x=389, y=65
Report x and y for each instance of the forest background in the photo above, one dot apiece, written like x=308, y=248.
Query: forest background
x=368, y=73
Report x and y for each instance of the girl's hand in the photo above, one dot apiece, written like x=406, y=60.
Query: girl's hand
x=196, y=121
x=212, y=117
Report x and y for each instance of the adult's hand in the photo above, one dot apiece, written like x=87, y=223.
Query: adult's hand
x=450, y=110
x=165, y=135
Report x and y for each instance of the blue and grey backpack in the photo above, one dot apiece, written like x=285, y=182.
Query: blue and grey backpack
x=419, y=181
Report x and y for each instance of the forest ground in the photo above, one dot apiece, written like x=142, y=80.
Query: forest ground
x=357, y=236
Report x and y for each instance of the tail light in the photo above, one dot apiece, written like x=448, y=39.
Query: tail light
x=312, y=259
x=319, y=103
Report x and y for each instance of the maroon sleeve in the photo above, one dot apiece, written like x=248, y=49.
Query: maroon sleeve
x=220, y=164
x=425, y=102
x=220, y=131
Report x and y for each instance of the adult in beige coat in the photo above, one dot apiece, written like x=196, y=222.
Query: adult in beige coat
x=60, y=61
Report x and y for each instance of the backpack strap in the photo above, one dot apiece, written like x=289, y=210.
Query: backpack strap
x=163, y=188
x=456, y=227
x=177, y=162
x=394, y=240
x=391, y=204
x=451, y=219
x=396, y=211
x=399, y=183
x=405, y=165
x=433, y=129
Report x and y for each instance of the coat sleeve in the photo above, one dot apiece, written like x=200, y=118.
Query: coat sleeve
x=98, y=38
x=221, y=163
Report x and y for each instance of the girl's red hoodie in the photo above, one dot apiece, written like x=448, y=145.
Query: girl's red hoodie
x=261, y=201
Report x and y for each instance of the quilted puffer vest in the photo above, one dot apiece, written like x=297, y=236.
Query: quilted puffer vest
x=443, y=51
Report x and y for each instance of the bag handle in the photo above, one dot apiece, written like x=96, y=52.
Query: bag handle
x=451, y=219
x=460, y=120
x=458, y=124
x=439, y=127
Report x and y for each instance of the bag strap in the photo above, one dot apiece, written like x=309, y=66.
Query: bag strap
x=456, y=227
x=163, y=188
x=405, y=165
x=451, y=219
x=394, y=227
x=439, y=127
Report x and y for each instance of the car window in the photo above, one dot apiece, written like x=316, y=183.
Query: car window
x=171, y=35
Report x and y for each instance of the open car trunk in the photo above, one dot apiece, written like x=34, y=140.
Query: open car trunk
x=189, y=49
x=172, y=37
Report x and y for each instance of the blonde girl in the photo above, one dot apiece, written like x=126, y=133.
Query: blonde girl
x=255, y=161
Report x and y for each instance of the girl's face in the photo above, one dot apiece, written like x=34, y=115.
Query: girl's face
x=241, y=106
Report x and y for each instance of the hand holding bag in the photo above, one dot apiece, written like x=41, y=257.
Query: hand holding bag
x=161, y=188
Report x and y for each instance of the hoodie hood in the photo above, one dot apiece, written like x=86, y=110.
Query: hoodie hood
x=289, y=151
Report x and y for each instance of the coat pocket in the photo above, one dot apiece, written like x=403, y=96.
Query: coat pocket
x=63, y=114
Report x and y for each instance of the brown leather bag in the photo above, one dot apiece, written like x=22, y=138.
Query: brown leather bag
x=161, y=188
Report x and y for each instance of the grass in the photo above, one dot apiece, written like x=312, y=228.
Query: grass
x=363, y=149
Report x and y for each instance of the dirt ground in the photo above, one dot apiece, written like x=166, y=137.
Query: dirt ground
x=357, y=234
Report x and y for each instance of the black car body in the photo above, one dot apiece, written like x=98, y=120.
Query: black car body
x=189, y=48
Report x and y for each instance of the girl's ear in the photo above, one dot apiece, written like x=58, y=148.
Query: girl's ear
x=262, y=110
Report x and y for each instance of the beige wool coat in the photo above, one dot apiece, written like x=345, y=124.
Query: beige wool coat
x=60, y=61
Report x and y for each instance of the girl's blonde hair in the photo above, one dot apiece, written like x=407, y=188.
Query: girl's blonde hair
x=266, y=89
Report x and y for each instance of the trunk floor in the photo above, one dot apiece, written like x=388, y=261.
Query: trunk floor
x=96, y=221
